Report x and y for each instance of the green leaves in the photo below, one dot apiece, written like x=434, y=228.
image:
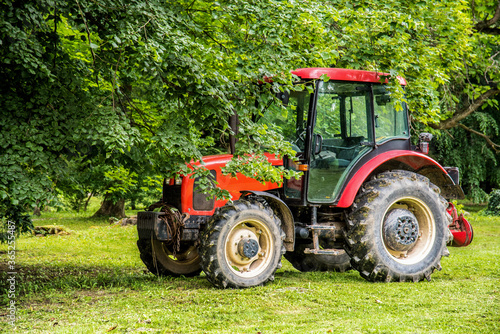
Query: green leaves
x=148, y=86
x=494, y=203
x=120, y=181
x=324, y=77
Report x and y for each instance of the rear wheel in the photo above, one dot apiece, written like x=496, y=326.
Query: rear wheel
x=242, y=245
x=397, y=229
x=159, y=258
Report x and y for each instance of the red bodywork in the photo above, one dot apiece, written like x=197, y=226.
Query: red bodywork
x=413, y=159
x=342, y=74
x=232, y=184
x=460, y=228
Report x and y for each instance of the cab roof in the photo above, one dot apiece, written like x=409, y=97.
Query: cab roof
x=342, y=74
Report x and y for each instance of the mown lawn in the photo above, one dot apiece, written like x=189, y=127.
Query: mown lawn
x=92, y=281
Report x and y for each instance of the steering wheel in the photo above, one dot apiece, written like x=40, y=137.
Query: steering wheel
x=301, y=139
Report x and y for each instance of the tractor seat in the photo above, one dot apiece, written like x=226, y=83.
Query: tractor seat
x=328, y=160
x=343, y=163
x=325, y=160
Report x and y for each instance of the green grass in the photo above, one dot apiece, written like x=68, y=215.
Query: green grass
x=92, y=281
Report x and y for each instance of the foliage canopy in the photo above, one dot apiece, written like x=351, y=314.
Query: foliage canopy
x=137, y=88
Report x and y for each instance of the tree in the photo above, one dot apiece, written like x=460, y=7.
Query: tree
x=471, y=100
x=478, y=83
x=147, y=82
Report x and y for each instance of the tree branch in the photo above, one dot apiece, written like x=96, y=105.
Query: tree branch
x=494, y=146
x=88, y=34
x=466, y=111
x=489, y=31
x=486, y=25
x=496, y=17
x=139, y=112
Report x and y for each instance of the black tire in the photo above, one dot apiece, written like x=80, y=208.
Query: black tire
x=310, y=262
x=242, y=245
x=160, y=260
x=397, y=229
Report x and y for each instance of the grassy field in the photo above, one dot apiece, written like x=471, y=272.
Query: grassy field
x=92, y=281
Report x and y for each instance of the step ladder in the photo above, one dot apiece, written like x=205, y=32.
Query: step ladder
x=316, y=230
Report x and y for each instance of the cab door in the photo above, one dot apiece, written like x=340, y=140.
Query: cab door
x=343, y=132
x=291, y=119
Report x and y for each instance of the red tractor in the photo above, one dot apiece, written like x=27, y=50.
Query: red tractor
x=367, y=198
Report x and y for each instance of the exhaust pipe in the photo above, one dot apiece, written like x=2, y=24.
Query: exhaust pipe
x=460, y=228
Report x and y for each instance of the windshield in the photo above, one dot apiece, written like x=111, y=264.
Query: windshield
x=343, y=112
x=390, y=116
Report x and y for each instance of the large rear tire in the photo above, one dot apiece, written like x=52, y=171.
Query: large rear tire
x=242, y=245
x=159, y=258
x=397, y=229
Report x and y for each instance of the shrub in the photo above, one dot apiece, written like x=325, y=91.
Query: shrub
x=494, y=203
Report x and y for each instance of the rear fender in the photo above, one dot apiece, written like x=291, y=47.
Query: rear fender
x=403, y=159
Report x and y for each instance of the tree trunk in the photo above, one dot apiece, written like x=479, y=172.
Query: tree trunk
x=111, y=209
x=36, y=211
x=78, y=204
x=89, y=196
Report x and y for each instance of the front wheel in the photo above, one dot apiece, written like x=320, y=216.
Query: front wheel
x=242, y=245
x=397, y=229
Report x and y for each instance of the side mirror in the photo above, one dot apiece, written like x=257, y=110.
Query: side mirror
x=284, y=97
x=318, y=144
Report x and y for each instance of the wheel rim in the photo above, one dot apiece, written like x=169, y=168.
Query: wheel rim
x=249, y=248
x=414, y=217
x=186, y=256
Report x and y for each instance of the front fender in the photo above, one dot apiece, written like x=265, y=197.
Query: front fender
x=282, y=211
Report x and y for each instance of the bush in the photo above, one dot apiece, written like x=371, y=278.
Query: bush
x=17, y=215
x=494, y=203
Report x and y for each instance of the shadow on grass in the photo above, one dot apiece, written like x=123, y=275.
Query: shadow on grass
x=78, y=223
x=351, y=276
x=40, y=279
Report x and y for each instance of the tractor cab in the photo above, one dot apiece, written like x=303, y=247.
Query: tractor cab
x=333, y=126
